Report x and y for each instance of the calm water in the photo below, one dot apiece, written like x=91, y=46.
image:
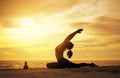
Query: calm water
x=42, y=64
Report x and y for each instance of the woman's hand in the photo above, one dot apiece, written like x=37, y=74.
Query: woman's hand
x=79, y=30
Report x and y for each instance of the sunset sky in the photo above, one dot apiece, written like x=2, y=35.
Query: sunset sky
x=31, y=29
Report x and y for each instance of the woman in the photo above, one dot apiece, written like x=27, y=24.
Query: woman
x=60, y=49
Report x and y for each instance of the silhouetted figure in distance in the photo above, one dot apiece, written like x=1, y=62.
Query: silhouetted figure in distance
x=25, y=65
x=60, y=49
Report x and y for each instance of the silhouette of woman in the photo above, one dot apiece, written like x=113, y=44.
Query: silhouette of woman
x=59, y=50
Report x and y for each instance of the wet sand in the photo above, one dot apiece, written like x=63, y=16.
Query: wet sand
x=85, y=72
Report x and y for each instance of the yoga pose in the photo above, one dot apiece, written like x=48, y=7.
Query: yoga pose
x=60, y=49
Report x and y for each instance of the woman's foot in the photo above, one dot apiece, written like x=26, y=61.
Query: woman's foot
x=93, y=65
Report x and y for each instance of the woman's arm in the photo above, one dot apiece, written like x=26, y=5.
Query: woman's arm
x=69, y=37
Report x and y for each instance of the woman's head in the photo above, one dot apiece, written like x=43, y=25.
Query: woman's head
x=69, y=45
x=69, y=54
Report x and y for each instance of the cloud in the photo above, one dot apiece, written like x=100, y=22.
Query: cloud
x=101, y=26
x=10, y=9
x=31, y=7
x=97, y=42
x=8, y=49
x=8, y=24
x=12, y=53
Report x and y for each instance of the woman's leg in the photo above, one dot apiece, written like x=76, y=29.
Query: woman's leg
x=87, y=64
x=69, y=64
x=64, y=63
x=54, y=65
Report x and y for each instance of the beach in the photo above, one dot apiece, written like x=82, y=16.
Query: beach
x=85, y=72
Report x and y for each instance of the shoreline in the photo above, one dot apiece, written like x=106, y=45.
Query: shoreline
x=87, y=69
x=115, y=66
x=83, y=72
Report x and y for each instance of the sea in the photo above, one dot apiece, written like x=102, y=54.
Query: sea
x=42, y=63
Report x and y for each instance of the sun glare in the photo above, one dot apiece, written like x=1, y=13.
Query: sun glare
x=27, y=23
x=31, y=31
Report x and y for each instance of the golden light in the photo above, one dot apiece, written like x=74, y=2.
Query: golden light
x=27, y=22
x=31, y=31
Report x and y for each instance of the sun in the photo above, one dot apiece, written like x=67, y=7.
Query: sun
x=31, y=31
x=27, y=23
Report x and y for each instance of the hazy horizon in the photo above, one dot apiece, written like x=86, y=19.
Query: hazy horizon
x=31, y=29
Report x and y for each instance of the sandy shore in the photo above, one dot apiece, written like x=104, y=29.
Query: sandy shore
x=86, y=72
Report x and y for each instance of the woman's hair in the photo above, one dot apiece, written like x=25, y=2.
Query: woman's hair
x=69, y=54
x=69, y=45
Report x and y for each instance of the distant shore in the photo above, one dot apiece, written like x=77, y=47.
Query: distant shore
x=9, y=64
x=85, y=72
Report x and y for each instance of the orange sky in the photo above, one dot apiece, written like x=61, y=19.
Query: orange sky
x=31, y=29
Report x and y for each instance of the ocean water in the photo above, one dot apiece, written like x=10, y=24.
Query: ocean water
x=42, y=64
